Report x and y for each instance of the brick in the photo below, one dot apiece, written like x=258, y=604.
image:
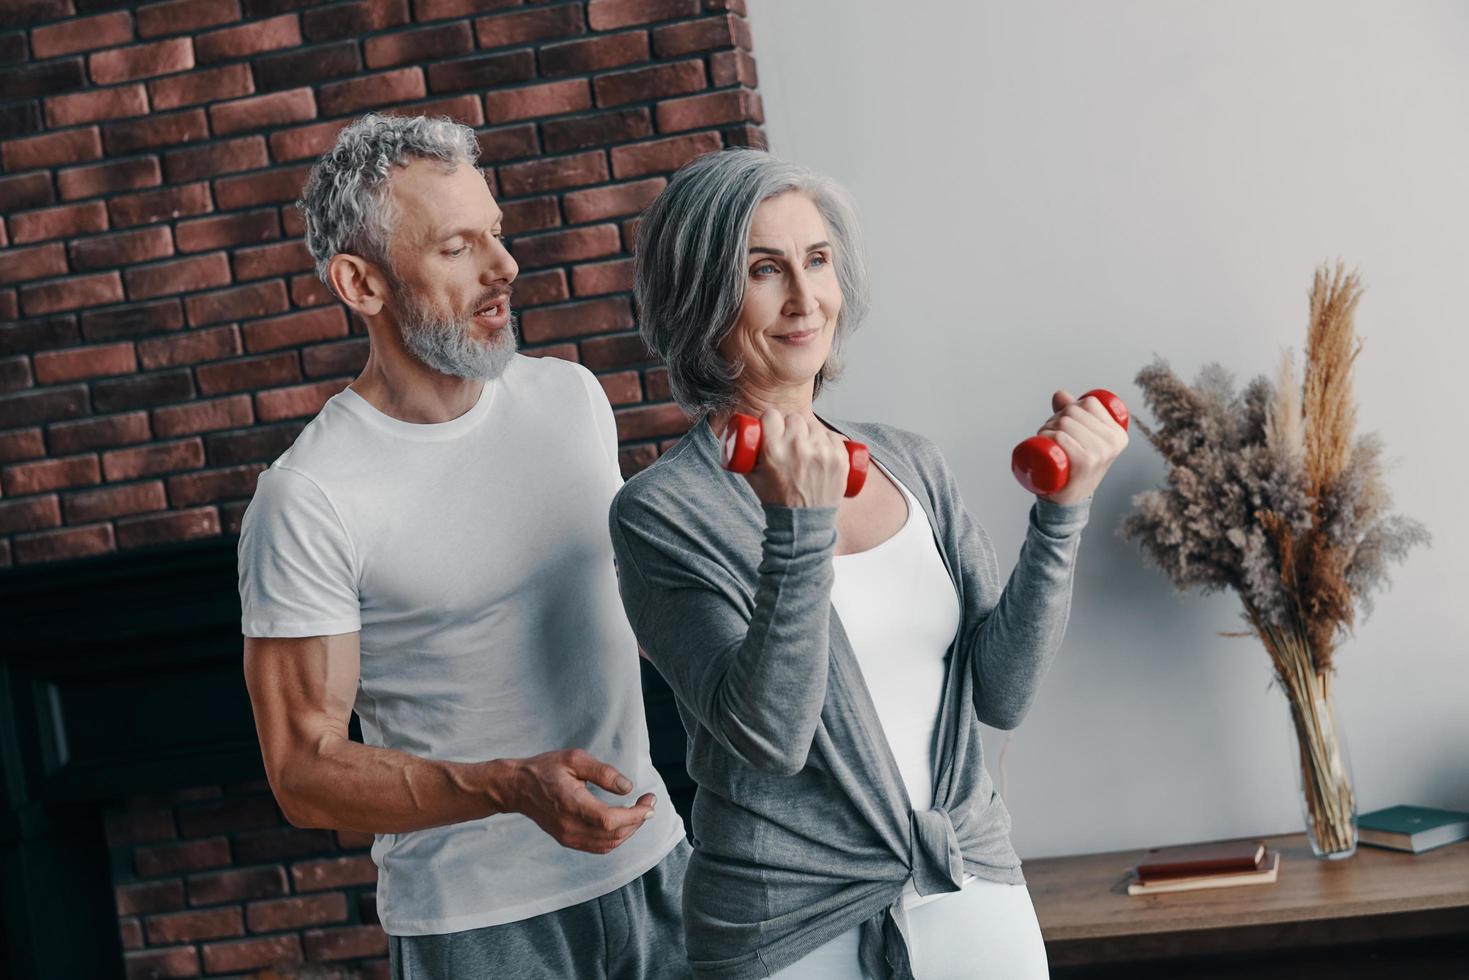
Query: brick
x=463, y=109
x=192, y=926
x=345, y=942
x=709, y=109
x=535, y=214
x=611, y=201
x=136, y=320
x=45, y=333
x=151, y=460
x=204, y=416
x=499, y=30
x=236, y=885
x=294, y=329
x=277, y=843
x=15, y=373
x=21, y=444
x=662, y=156
x=185, y=16
x=56, y=367
x=733, y=68
x=113, y=502
x=98, y=433
x=643, y=84
x=352, y=840
x=508, y=143
x=328, y=360
x=593, y=54
x=25, y=191
x=228, y=815
x=329, y=873
x=308, y=291
x=567, y=246
x=142, y=391
x=122, y=248
x=247, y=39
x=52, y=149
x=29, y=514
x=299, y=66
x=262, y=111
x=58, y=222
x=63, y=543
x=533, y=101
x=149, y=207
x=301, y=142
x=173, y=961
x=178, y=276
x=130, y=932
x=608, y=15
x=482, y=72
x=230, y=156
x=240, y=303
x=440, y=9
x=168, y=129
x=295, y=913
x=82, y=34
x=279, y=259
x=20, y=119
x=149, y=896
x=709, y=34
x=71, y=294
x=94, y=105
x=270, y=187
x=212, y=344
x=13, y=48
x=141, y=61
x=423, y=44
x=249, y=374
x=258, y=444
x=576, y=319
x=605, y=353
x=184, y=525
x=227, y=230
x=650, y=421
x=602, y=129
x=108, y=178
x=295, y=402
x=353, y=19
x=538, y=288
x=635, y=459
x=600, y=278
x=237, y=956
x=621, y=388
x=372, y=91
x=51, y=474
x=36, y=262
x=45, y=78
x=539, y=176
x=196, y=87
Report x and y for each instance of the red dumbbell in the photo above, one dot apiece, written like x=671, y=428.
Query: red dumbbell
x=1042, y=466
x=742, y=448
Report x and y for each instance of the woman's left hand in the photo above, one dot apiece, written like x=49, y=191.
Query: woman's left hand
x=1091, y=439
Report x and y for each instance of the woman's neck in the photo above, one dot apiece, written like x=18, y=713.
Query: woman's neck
x=756, y=402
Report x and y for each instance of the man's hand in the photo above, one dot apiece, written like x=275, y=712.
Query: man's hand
x=551, y=789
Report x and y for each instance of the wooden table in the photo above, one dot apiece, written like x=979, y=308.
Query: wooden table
x=1378, y=913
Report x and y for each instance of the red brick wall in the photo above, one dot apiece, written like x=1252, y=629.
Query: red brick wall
x=162, y=336
x=212, y=881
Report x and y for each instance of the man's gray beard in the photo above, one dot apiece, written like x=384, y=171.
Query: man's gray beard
x=446, y=344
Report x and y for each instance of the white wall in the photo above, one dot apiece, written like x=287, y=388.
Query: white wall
x=1055, y=191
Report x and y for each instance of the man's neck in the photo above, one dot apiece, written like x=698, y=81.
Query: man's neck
x=402, y=387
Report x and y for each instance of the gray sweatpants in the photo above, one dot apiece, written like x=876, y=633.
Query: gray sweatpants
x=633, y=933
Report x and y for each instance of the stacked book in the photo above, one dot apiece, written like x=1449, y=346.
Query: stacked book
x=1195, y=866
x=1412, y=828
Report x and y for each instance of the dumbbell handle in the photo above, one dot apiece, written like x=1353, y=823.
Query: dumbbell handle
x=742, y=438
x=1042, y=466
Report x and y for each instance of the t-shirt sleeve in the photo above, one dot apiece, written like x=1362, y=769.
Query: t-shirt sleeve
x=602, y=415
x=297, y=566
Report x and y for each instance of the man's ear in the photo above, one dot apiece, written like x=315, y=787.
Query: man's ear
x=358, y=282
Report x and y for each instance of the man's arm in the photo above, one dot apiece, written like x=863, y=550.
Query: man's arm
x=302, y=692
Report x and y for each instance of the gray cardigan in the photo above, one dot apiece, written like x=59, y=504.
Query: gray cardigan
x=802, y=825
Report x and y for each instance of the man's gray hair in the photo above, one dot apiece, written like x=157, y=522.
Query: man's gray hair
x=346, y=202
x=691, y=259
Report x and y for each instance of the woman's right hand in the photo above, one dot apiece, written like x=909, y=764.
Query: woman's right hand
x=801, y=464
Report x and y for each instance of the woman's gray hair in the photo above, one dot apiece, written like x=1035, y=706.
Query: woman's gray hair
x=691, y=267
x=346, y=202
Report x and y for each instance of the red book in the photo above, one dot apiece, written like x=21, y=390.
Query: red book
x=1191, y=860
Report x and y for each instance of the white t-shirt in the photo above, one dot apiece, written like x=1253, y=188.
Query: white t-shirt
x=473, y=556
x=900, y=613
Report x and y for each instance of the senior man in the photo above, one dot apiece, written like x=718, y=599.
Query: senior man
x=432, y=553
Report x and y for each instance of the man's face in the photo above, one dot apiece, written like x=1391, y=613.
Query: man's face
x=451, y=276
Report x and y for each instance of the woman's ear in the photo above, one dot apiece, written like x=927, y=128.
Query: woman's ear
x=358, y=283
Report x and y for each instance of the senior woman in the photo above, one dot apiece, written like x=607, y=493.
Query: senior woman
x=831, y=657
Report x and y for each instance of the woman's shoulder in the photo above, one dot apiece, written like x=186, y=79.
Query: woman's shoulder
x=918, y=450
x=674, y=482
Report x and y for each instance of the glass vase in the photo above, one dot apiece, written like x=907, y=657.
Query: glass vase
x=1323, y=775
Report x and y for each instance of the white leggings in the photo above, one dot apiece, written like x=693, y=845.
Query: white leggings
x=988, y=929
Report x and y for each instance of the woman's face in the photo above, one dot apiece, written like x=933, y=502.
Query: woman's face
x=788, y=319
